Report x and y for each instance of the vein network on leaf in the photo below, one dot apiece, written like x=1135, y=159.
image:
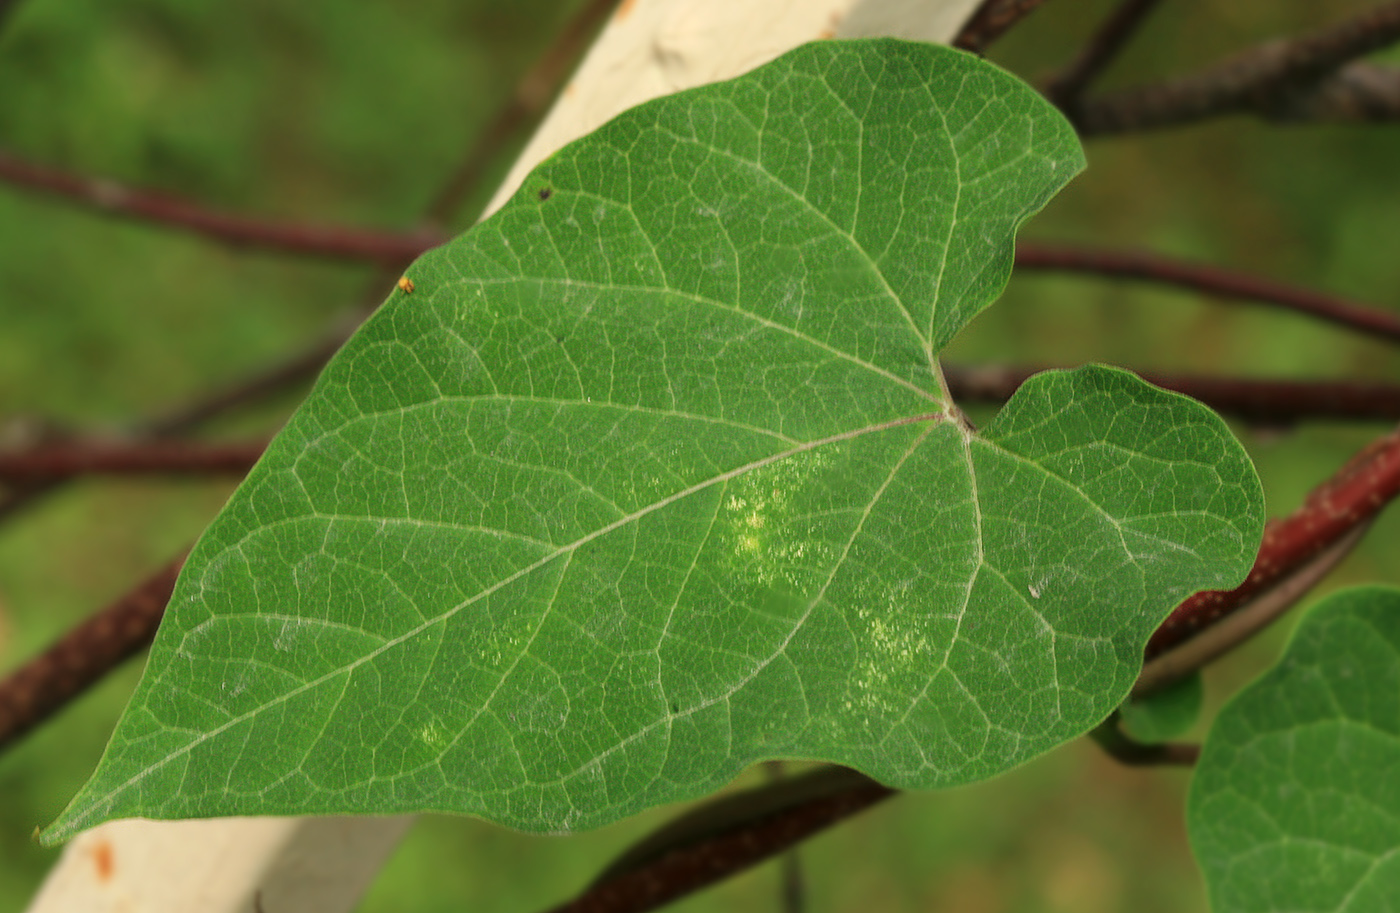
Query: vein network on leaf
x=654, y=476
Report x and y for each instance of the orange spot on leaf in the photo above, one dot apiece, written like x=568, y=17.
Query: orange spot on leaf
x=624, y=9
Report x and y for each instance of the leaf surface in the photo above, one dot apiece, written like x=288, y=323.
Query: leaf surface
x=654, y=475
x=1295, y=804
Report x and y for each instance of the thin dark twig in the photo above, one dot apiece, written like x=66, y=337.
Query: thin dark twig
x=726, y=836
x=140, y=457
x=1065, y=87
x=84, y=655
x=531, y=97
x=1359, y=92
x=300, y=368
x=1258, y=401
x=21, y=494
x=1212, y=280
x=1265, y=79
x=167, y=210
x=990, y=21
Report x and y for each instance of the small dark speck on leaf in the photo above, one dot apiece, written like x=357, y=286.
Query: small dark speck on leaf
x=545, y=192
x=675, y=708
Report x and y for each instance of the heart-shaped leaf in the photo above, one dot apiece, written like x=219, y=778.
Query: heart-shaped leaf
x=654, y=474
x=1295, y=804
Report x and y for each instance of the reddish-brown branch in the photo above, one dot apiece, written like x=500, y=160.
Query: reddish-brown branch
x=1268, y=79
x=752, y=827
x=724, y=836
x=160, y=457
x=298, y=369
x=1263, y=402
x=1245, y=621
x=84, y=655
x=990, y=21
x=167, y=210
x=20, y=492
x=1354, y=495
x=1065, y=87
x=1212, y=280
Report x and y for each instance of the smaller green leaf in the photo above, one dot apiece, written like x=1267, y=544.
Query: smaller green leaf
x=1165, y=715
x=1296, y=803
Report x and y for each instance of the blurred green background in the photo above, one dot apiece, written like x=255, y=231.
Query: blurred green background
x=355, y=114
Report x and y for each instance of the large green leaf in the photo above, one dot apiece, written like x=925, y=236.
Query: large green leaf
x=654, y=475
x=1296, y=802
